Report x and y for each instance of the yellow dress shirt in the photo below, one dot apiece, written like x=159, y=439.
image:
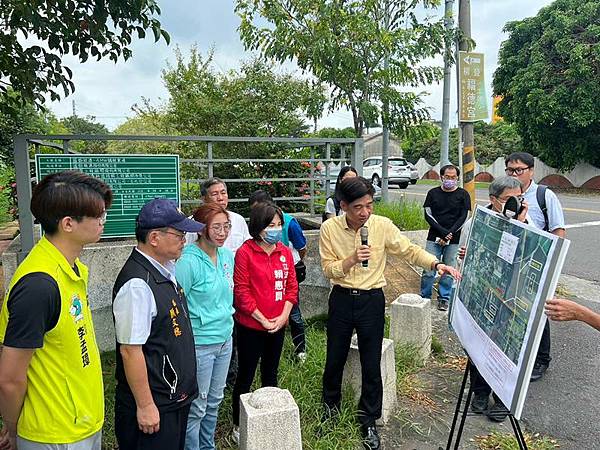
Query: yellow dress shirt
x=337, y=241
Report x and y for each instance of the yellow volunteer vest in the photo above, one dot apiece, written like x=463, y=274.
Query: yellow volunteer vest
x=64, y=402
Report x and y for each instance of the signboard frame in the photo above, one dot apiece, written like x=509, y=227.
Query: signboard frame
x=171, y=158
x=507, y=374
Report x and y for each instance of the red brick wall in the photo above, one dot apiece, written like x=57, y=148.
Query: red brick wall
x=484, y=177
x=556, y=181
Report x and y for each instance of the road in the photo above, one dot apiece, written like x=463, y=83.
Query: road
x=582, y=216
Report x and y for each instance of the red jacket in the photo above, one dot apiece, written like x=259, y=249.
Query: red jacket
x=262, y=281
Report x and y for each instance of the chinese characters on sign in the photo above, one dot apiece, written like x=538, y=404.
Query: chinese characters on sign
x=473, y=101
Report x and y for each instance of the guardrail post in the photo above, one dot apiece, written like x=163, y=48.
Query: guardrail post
x=23, y=175
x=312, y=181
x=327, y=170
x=209, y=156
x=357, y=155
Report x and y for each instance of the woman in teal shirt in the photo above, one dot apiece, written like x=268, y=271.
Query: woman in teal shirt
x=205, y=272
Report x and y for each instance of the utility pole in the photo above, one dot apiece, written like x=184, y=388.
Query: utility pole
x=448, y=22
x=385, y=138
x=74, y=114
x=468, y=174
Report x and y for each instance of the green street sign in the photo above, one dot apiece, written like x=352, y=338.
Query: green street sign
x=134, y=180
x=473, y=101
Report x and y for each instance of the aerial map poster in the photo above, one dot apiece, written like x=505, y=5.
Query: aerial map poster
x=509, y=270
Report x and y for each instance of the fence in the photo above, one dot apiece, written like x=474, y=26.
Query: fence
x=201, y=157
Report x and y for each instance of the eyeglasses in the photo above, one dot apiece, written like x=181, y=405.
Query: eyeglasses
x=102, y=218
x=221, y=227
x=516, y=170
x=181, y=236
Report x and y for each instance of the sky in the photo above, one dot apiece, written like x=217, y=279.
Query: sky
x=108, y=91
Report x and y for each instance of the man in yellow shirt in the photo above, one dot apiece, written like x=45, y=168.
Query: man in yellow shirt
x=356, y=301
x=51, y=393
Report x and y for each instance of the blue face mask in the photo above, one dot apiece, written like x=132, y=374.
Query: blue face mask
x=272, y=235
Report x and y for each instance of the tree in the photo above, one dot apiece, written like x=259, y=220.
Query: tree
x=492, y=142
x=24, y=120
x=251, y=101
x=549, y=77
x=37, y=34
x=344, y=44
x=87, y=125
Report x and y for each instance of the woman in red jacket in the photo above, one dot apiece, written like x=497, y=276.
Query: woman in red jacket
x=265, y=290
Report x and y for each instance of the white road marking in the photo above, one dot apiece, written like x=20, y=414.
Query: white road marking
x=583, y=224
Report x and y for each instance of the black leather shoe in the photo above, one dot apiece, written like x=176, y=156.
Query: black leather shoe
x=539, y=369
x=371, y=439
x=479, y=403
x=498, y=412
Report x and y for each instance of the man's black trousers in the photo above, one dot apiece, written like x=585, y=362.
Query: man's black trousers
x=364, y=313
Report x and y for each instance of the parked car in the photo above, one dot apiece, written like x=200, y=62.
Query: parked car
x=414, y=174
x=399, y=172
x=333, y=175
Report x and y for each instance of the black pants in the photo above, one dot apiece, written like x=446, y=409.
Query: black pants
x=479, y=385
x=297, y=328
x=233, y=362
x=543, y=354
x=366, y=314
x=171, y=434
x=255, y=345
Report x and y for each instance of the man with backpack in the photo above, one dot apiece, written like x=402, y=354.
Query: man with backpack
x=547, y=214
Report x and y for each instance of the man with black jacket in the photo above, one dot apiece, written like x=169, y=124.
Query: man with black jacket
x=156, y=367
x=446, y=210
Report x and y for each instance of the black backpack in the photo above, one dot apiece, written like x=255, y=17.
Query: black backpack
x=540, y=195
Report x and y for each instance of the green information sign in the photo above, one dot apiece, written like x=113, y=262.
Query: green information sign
x=134, y=179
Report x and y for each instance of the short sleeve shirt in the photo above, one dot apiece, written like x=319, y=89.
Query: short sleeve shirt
x=556, y=218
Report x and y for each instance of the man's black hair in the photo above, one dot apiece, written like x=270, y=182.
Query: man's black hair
x=68, y=194
x=352, y=189
x=449, y=167
x=524, y=157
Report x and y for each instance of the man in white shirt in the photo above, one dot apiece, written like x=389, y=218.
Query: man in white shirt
x=547, y=214
x=215, y=190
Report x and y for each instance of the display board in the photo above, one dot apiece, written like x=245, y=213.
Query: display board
x=509, y=270
x=134, y=179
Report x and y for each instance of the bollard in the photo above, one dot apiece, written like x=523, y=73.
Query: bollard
x=410, y=322
x=353, y=376
x=269, y=419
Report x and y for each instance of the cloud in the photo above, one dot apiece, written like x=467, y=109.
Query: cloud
x=107, y=90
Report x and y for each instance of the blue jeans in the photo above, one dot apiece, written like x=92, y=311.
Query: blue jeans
x=212, y=364
x=446, y=254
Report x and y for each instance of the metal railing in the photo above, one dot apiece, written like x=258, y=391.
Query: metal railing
x=320, y=150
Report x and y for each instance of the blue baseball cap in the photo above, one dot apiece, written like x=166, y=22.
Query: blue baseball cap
x=163, y=213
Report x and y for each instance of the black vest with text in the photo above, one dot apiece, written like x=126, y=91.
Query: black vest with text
x=169, y=351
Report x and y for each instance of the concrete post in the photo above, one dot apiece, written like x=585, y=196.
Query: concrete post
x=353, y=376
x=410, y=322
x=269, y=419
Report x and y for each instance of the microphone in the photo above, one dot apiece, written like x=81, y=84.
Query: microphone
x=364, y=240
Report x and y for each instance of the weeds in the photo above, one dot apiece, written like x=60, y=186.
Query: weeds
x=406, y=215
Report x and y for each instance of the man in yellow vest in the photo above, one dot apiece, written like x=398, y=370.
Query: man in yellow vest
x=51, y=392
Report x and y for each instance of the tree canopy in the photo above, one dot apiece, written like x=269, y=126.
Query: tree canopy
x=491, y=142
x=549, y=77
x=36, y=34
x=344, y=44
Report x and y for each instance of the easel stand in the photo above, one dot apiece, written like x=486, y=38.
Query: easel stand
x=463, y=415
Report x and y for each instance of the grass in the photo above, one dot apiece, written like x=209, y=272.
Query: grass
x=304, y=383
x=406, y=215
x=502, y=441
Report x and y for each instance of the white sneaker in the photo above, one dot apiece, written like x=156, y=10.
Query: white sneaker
x=301, y=357
x=235, y=435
